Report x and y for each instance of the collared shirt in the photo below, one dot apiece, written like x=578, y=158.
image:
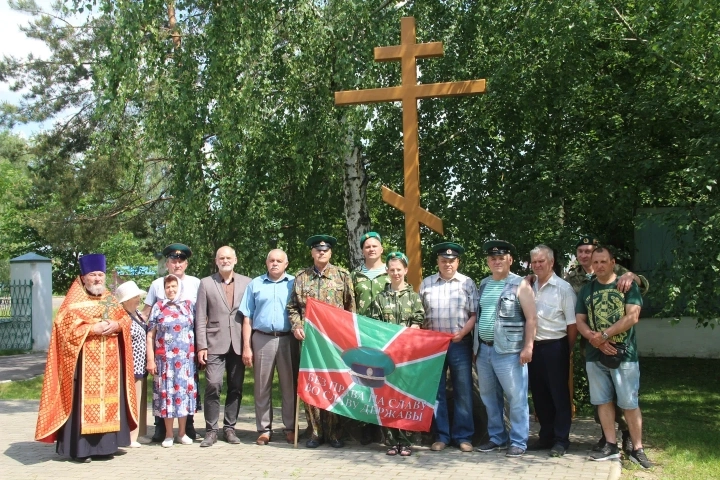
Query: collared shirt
x=188, y=290
x=448, y=303
x=229, y=289
x=265, y=302
x=555, y=303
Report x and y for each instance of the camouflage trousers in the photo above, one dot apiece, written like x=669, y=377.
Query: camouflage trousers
x=324, y=424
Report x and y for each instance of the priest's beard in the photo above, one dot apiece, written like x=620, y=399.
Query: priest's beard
x=96, y=290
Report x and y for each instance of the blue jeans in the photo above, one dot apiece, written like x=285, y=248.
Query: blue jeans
x=459, y=360
x=502, y=373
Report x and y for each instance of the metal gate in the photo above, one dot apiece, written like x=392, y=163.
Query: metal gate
x=16, y=316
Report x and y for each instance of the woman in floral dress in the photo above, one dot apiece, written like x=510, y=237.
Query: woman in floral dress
x=171, y=359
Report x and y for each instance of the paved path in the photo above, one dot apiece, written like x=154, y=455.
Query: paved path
x=22, y=367
x=24, y=458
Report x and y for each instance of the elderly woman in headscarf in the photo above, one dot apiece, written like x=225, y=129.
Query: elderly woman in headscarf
x=128, y=295
x=171, y=360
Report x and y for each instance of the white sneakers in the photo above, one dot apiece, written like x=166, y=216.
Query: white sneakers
x=168, y=442
x=134, y=445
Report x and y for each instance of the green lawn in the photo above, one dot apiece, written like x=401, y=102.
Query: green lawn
x=680, y=403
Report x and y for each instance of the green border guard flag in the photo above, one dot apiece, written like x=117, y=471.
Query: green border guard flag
x=369, y=370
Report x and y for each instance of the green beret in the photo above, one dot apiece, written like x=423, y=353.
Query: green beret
x=448, y=250
x=321, y=242
x=177, y=250
x=498, y=247
x=370, y=235
x=588, y=240
x=397, y=256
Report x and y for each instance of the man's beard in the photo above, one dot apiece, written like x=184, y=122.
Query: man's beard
x=96, y=290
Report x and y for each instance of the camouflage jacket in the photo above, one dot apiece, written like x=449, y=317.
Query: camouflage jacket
x=401, y=308
x=333, y=286
x=366, y=289
x=577, y=277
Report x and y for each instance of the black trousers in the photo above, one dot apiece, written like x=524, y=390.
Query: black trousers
x=548, y=373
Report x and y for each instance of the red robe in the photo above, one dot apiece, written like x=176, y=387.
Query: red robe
x=104, y=360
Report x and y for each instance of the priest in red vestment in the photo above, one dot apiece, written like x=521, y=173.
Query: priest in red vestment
x=88, y=400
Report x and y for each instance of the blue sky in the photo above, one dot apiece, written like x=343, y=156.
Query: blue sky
x=14, y=43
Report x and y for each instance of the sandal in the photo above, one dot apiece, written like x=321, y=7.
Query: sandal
x=405, y=451
x=392, y=451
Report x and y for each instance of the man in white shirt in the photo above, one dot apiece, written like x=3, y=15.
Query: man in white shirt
x=555, y=337
x=176, y=262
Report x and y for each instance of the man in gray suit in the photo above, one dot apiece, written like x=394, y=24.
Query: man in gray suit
x=218, y=334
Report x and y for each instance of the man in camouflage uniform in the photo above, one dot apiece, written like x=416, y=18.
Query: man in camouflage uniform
x=332, y=285
x=581, y=275
x=370, y=278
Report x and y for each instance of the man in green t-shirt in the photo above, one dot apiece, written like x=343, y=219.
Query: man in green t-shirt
x=606, y=317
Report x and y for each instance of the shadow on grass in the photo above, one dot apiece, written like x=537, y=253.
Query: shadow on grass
x=680, y=402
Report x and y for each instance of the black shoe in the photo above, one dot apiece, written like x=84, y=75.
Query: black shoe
x=490, y=447
x=514, y=452
x=638, y=456
x=313, y=442
x=627, y=444
x=600, y=443
x=366, y=436
x=609, y=452
x=540, y=445
x=158, y=436
x=336, y=443
x=557, y=450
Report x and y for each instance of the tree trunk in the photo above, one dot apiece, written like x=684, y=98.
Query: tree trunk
x=172, y=24
x=357, y=217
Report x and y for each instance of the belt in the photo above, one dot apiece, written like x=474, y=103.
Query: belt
x=272, y=334
x=543, y=342
x=489, y=344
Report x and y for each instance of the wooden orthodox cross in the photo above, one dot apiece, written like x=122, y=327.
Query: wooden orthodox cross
x=408, y=93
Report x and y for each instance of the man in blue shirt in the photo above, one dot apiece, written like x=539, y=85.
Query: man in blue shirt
x=268, y=343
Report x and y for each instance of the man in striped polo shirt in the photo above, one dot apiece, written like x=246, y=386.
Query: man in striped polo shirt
x=503, y=345
x=450, y=302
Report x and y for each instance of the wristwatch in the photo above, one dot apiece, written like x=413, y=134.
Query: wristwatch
x=604, y=336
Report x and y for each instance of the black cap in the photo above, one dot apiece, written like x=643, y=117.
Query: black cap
x=321, y=242
x=498, y=247
x=588, y=240
x=177, y=250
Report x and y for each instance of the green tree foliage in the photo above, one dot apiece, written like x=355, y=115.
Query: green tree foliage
x=214, y=124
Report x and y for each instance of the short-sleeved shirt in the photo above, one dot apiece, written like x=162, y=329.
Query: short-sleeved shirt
x=265, y=302
x=448, y=303
x=190, y=286
x=609, y=307
x=555, y=304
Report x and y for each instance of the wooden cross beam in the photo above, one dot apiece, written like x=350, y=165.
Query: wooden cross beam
x=408, y=93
